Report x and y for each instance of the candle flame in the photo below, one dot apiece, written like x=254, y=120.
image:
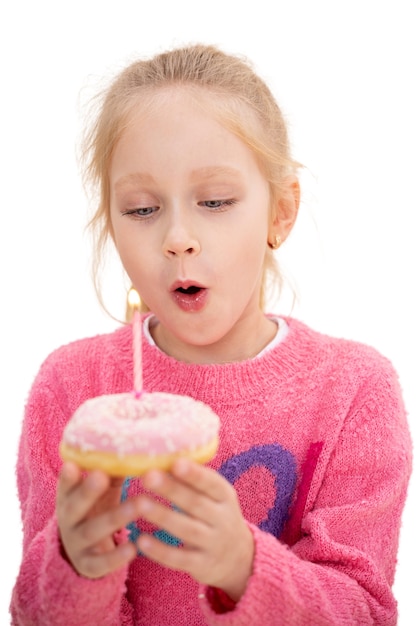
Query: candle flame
x=133, y=298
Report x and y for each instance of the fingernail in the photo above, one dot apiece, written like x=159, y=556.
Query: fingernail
x=181, y=467
x=153, y=479
x=126, y=551
x=130, y=510
x=144, y=543
x=144, y=505
x=68, y=470
x=96, y=480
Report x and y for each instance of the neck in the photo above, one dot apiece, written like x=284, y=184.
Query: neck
x=247, y=338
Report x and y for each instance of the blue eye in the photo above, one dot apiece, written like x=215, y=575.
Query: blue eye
x=213, y=204
x=142, y=211
x=217, y=204
x=146, y=210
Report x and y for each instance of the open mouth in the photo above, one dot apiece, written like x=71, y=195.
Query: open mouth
x=189, y=291
x=191, y=298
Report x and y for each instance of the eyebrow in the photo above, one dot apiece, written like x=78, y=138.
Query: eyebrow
x=215, y=171
x=137, y=177
x=205, y=173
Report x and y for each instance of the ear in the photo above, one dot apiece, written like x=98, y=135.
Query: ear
x=285, y=211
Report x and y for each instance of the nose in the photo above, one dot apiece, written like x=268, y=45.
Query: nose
x=180, y=238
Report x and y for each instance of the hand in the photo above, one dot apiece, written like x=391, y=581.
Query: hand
x=218, y=545
x=89, y=513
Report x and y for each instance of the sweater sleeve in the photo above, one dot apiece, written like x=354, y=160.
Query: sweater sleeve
x=48, y=591
x=341, y=570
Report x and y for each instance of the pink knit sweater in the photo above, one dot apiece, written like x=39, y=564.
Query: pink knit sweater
x=313, y=437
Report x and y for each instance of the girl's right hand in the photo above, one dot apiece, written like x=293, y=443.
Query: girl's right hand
x=89, y=513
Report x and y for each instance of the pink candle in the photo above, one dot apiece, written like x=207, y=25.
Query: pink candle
x=137, y=342
x=137, y=352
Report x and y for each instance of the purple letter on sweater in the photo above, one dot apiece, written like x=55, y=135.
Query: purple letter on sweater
x=281, y=465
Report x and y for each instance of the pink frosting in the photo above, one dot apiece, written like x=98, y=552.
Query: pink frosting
x=155, y=423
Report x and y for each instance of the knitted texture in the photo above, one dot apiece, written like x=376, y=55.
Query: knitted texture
x=315, y=441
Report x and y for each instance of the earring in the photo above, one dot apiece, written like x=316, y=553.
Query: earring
x=276, y=243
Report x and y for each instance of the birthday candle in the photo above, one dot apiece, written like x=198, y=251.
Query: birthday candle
x=134, y=300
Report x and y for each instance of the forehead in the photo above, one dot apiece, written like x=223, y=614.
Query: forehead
x=195, y=118
x=228, y=110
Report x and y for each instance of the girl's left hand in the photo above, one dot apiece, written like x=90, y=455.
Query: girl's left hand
x=218, y=546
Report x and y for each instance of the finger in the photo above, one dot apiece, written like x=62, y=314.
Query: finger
x=75, y=503
x=95, y=530
x=69, y=479
x=70, y=476
x=184, y=496
x=200, y=478
x=111, y=497
x=96, y=566
x=189, y=530
x=176, y=559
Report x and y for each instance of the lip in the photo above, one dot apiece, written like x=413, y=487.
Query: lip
x=189, y=303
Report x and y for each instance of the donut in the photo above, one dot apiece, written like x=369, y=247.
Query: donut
x=125, y=435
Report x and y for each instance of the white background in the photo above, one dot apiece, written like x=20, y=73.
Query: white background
x=345, y=76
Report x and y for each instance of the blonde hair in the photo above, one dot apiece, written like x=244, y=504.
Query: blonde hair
x=240, y=99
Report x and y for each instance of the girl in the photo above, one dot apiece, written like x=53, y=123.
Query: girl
x=296, y=520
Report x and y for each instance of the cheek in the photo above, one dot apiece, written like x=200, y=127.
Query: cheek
x=132, y=252
x=250, y=262
x=247, y=249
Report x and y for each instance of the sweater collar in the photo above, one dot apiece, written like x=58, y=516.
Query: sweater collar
x=226, y=382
